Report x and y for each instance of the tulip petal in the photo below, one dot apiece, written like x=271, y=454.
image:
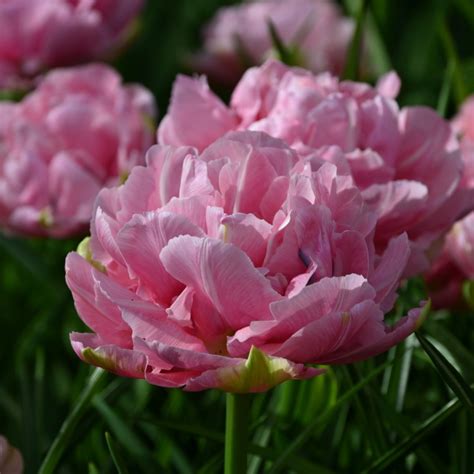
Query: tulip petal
x=222, y=277
x=257, y=374
x=124, y=362
x=141, y=241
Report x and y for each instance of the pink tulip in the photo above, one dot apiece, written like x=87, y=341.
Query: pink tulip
x=456, y=262
x=38, y=34
x=11, y=461
x=406, y=161
x=79, y=131
x=233, y=268
x=239, y=37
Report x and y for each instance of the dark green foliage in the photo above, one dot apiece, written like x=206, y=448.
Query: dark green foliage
x=393, y=414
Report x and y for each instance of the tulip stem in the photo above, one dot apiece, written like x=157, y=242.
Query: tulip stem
x=236, y=433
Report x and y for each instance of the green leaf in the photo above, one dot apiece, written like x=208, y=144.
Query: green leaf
x=368, y=415
x=92, y=469
x=284, y=458
x=116, y=457
x=121, y=429
x=443, y=98
x=448, y=373
x=401, y=426
x=286, y=54
x=351, y=69
x=387, y=460
x=396, y=376
x=460, y=89
x=67, y=429
x=463, y=356
x=468, y=292
x=467, y=9
x=32, y=262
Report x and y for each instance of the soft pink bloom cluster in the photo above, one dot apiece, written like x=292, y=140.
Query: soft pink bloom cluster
x=79, y=131
x=239, y=35
x=456, y=262
x=406, y=161
x=233, y=267
x=40, y=34
x=11, y=461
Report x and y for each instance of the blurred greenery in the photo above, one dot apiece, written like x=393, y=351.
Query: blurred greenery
x=391, y=414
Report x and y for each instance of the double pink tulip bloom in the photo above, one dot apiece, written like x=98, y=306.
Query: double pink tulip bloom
x=11, y=461
x=239, y=36
x=39, y=34
x=79, y=131
x=234, y=266
x=456, y=262
x=406, y=162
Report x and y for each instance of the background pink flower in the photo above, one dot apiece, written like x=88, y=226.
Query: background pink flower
x=11, y=461
x=80, y=130
x=406, y=161
x=456, y=262
x=238, y=37
x=38, y=34
x=233, y=268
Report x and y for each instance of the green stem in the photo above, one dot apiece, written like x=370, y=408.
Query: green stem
x=236, y=433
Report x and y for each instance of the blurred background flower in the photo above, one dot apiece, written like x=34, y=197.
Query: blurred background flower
x=315, y=33
x=11, y=461
x=406, y=161
x=36, y=35
x=456, y=262
x=79, y=131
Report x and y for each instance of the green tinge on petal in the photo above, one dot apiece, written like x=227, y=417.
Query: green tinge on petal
x=84, y=250
x=424, y=314
x=468, y=292
x=115, y=363
x=149, y=122
x=259, y=373
x=99, y=359
x=123, y=177
x=45, y=218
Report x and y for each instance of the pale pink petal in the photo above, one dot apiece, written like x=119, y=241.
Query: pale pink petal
x=386, y=277
x=124, y=362
x=11, y=461
x=389, y=85
x=223, y=278
x=248, y=233
x=196, y=117
x=98, y=312
x=140, y=243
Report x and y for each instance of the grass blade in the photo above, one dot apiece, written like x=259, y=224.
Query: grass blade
x=460, y=90
x=67, y=429
x=410, y=442
x=396, y=380
x=453, y=345
x=364, y=404
x=114, y=453
x=443, y=98
x=284, y=53
x=448, y=373
x=120, y=429
x=284, y=458
x=33, y=263
x=351, y=69
x=402, y=427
